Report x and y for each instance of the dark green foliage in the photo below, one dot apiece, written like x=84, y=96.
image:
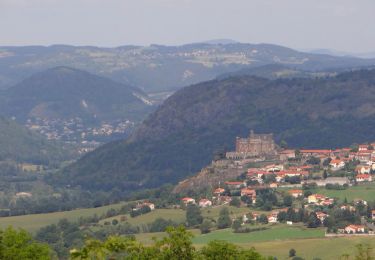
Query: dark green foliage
x=224, y=220
x=263, y=219
x=20, y=245
x=179, y=138
x=141, y=211
x=193, y=215
x=236, y=202
x=288, y=200
x=292, y=252
x=160, y=225
x=206, y=226
x=313, y=221
x=236, y=225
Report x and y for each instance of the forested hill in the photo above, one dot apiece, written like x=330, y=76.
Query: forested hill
x=63, y=92
x=21, y=145
x=181, y=136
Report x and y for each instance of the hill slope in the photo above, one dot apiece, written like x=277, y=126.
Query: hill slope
x=155, y=68
x=21, y=145
x=64, y=92
x=181, y=136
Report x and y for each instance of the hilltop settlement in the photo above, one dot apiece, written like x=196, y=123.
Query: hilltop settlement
x=282, y=185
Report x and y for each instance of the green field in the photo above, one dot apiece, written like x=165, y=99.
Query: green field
x=33, y=222
x=276, y=232
x=323, y=248
x=308, y=243
x=177, y=215
x=365, y=191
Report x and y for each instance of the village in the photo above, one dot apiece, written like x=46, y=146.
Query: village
x=281, y=185
x=76, y=131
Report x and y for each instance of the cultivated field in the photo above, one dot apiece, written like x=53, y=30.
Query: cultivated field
x=362, y=191
x=33, y=222
x=275, y=232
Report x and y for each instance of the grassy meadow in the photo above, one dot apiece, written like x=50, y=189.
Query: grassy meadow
x=34, y=222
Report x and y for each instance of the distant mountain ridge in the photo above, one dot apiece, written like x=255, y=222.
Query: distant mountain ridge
x=159, y=68
x=180, y=137
x=63, y=92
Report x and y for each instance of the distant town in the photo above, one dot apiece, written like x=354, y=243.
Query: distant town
x=75, y=131
x=285, y=185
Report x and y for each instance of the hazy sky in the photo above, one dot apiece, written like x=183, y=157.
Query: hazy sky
x=337, y=24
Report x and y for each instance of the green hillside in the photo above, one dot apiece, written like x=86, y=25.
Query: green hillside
x=64, y=93
x=181, y=136
x=20, y=144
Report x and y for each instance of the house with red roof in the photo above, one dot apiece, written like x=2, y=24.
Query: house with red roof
x=337, y=164
x=235, y=184
x=204, y=203
x=219, y=191
x=354, y=229
x=363, y=177
x=321, y=216
x=188, y=200
x=295, y=193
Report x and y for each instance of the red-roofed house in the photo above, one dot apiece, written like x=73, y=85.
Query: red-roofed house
x=337, y=164
x=204, y=203
x=295, y=193
x=353, y=229
x=363, y=147
x=187, y=200
x=321, y=216
x=234, y=184
x=363, y=169
x=363, y=177
x=248, y=192
x=219, y=191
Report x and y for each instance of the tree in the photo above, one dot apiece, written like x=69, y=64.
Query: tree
x=114, y=222
x=313, y=221
x=224, y=220
x=325, y=174
x=292, y=252
x=263, y=219
x=193, y=215
x=20, y=245
x=288, y=201
x=282, y=216
x=235, y=202
x=283, y=144
x=205, y=227
x=236, y=225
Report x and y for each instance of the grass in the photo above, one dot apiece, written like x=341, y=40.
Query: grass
x=363, y=191
x=177, y=215
x=323, y=248
x=34, y=222
x=276, y=232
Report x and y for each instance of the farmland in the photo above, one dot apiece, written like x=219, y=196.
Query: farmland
x=33, y=222
x=276, y=232
x=362, y=191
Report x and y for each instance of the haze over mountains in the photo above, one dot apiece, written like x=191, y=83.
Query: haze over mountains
x=158, y=68
x=182, y=135
x=63, y=93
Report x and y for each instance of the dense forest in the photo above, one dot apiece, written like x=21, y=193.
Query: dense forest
x=182, y=135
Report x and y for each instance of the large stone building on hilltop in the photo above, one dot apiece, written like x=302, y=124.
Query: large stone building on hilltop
x=253, y=146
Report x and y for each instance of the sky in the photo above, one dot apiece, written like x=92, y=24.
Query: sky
x=345, y=25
